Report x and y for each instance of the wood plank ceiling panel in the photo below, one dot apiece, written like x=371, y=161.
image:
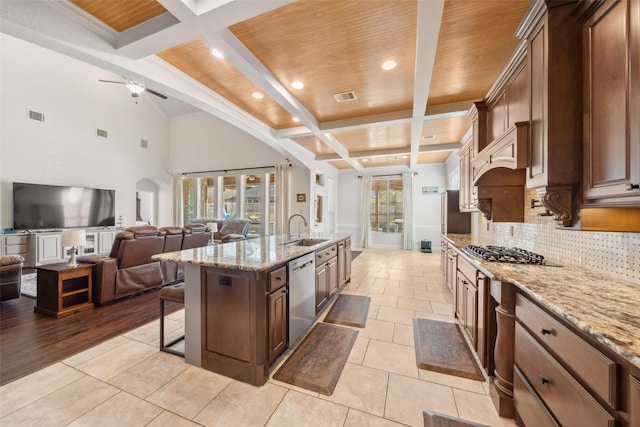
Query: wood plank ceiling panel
x=121, y=14
x=339, y=46
x=340, y=164
x=377, y=162
x=376, y=138
x=434, y=157
x=194, y=59
x=314, y=145
x=445, y=131
x=476, y=39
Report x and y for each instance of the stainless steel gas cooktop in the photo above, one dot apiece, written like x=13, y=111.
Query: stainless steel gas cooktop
x=504, y=254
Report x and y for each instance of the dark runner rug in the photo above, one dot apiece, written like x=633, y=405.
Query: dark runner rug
x=349, y=310
x=316, y=364
x=354, y=254
x=440, y=347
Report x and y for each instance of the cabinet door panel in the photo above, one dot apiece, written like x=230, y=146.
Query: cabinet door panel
x=612, y=151
x=228, y=314
x=277, y=323
x=634, y=401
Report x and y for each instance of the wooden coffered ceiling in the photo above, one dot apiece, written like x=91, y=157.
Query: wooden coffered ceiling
x=448, y=53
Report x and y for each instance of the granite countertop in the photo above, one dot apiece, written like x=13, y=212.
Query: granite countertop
x=602, y=306
x=258, y=254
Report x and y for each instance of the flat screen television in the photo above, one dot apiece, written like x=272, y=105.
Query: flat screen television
x=38, y=206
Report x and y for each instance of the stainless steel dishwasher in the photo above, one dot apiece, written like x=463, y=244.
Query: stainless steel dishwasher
x=302, y=295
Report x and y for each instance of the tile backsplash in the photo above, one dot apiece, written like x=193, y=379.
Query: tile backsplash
x=617, y=254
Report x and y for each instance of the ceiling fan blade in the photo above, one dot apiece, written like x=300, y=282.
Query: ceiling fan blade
x=155, y=93
x=110, y=81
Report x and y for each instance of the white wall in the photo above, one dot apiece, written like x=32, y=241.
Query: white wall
x=426, y=207
x=64, y=150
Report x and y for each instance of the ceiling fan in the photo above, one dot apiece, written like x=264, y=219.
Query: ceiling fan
x=136, y=88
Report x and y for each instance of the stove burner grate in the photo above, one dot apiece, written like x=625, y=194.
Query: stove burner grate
x=504, y=254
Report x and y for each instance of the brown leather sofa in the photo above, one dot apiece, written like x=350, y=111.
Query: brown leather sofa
x=10, y=276
x=129, y=269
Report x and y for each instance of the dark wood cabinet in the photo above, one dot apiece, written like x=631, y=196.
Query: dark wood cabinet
x=322, y=286
x=561, y=371
x=230, y=318
x=467, y=197
x=634, y=401
x=611, y=104
x=347, y=260
x=466, y=303
x=452, y=267
x=555, y=162
x=277, y=308
x=451, y=219
x=332, y=276
x=342, y=270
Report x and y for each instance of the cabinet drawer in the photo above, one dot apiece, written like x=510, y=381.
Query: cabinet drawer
x=16, y=250
x=277, y=278
x=326, y=254
x=467, y=269
x=531, y=410
x=568, y=401
x=347, y=243
x=597, y=370
x=16, y=240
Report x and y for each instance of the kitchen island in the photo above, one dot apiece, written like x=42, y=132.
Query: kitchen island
x=236, y=301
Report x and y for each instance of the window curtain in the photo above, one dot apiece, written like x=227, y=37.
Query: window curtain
x=178, y=210
x=282, y=198
x=365, y=212
x=407, y=218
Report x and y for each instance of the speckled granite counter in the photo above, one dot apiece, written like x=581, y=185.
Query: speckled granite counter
x=606, y=308
x=252, y=254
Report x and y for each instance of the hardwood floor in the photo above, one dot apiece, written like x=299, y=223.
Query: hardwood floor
x=30, y=341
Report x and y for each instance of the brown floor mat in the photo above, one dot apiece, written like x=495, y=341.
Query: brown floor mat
x=316, y=364
x=349, y=310
x=440, y=347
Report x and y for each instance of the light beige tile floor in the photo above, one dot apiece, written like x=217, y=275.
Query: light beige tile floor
x=127, y=382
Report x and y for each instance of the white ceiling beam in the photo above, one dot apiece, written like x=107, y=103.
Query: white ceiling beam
x=427, y=32
x=451, y=146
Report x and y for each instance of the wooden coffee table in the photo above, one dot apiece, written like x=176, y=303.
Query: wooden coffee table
x=63, y=290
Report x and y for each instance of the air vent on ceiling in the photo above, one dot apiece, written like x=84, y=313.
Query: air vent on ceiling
x=345, y=96
x=102, y=133
x=428, y=137
x=143, y=143
x=34, y=115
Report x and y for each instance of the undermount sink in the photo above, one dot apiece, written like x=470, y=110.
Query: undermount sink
x=305, y=242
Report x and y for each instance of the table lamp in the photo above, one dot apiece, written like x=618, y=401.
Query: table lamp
x=214, y=228
x=73, y=239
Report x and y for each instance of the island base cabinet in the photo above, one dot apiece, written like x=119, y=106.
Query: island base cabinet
x=230, y=325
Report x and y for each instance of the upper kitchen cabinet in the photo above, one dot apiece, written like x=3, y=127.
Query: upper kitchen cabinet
x=498, y=153
x=611, y=103
x=553, y=37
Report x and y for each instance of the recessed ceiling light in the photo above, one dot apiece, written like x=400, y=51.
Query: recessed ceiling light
x=365, y=160
x=295, y=119
x=389, y=65
x=297, y=84
x=405, y=157
x=216, y=53
x=258, y=95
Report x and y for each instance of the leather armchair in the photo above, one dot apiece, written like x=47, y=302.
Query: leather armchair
x=10, y=276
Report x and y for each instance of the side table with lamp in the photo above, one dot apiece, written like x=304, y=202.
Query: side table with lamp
x=65, y=288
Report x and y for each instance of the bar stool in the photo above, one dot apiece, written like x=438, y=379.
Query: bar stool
x=173, y=293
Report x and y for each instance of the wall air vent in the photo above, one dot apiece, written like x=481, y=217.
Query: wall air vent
x=102, y=133
x=143, y=143
x=34, y=115
x=345, y=96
